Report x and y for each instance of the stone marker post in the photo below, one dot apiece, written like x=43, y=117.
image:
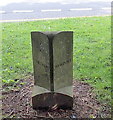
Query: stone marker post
x=53, y=69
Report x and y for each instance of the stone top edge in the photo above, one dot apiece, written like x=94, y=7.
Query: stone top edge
x=51, y=32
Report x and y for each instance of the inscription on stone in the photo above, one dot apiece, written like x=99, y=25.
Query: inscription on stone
x=40, y=45
x=62, y=51
x=53, y=68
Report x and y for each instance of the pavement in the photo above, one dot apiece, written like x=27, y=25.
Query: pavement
x=24, y=11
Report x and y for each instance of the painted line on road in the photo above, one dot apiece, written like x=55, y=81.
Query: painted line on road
x=51, y=10
x=22, y=11
x=78, y=9
x=24, y=20
x=106, y=8
x=54, y=10
x=1, y=12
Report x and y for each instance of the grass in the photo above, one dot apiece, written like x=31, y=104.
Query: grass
x=91, y=50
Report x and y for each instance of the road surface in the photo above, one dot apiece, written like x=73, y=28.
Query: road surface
x=27, y=11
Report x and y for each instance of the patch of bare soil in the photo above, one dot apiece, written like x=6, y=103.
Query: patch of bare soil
x=17, y=103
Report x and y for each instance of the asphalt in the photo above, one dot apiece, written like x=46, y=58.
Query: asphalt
x=26, y=11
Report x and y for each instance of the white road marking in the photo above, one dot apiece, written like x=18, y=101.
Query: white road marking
x=22, y=11
x=106, y=8
x=54, y=10
x=1, y=12
x=51, y=10
x=78, y=9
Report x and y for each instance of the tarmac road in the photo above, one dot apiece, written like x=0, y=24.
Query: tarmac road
x=25, y=11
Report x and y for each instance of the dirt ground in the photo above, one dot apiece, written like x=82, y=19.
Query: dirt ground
x=17, y=103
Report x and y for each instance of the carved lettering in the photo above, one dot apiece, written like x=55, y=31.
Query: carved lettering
x=66, y=62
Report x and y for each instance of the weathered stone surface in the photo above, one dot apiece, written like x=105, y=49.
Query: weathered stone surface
x=53, y=68
x=52, y=101
x=63, y=62
x=41, y=62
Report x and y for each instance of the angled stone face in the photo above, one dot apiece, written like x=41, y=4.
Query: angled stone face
x=53, y=68
x=41, y=60
x=63, y=62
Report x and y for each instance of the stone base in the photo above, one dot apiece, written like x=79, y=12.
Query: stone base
x=52, y=101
